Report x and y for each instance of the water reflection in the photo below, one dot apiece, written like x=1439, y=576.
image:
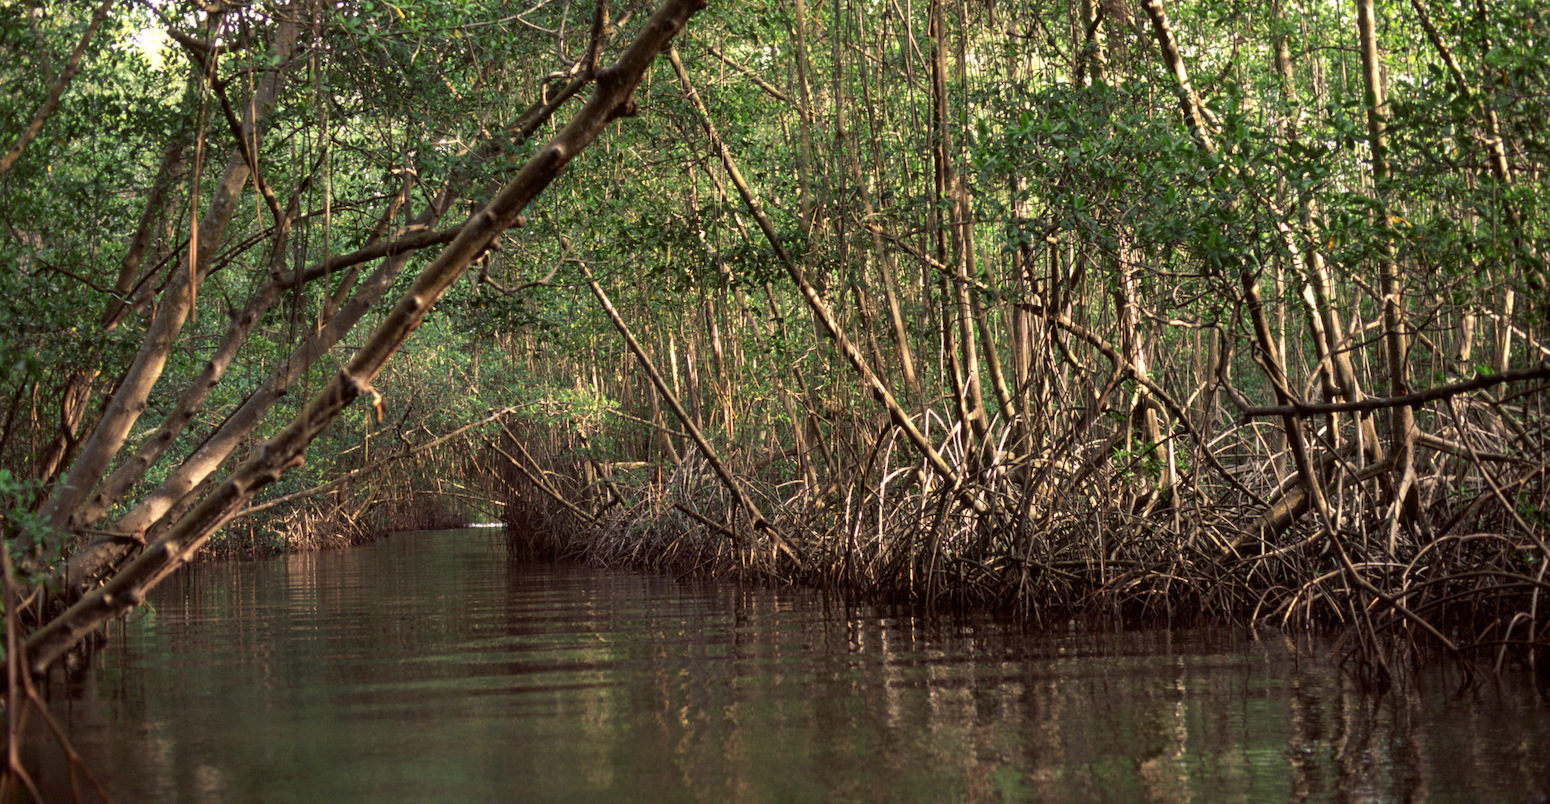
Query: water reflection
x=429, y=667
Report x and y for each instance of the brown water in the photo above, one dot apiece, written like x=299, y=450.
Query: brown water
x=430, y=668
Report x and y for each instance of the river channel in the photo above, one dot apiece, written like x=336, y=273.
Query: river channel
x=431, y=667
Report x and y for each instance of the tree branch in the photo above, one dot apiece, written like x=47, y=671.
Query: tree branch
x=1302, y=409
x=287, y=448
x=57, y=91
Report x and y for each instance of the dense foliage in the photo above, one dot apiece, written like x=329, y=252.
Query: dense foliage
x=1207, y=310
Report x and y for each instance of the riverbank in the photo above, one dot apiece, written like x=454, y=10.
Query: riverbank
x=1191, y=560
x=313, y=528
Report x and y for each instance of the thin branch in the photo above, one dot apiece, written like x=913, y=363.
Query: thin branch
x=413, y=241
x=372, y=467
x=538, y=483
x=72, y=66
x=245, y=148
x=769, y=89
x=1304, y=409
x=726, y=477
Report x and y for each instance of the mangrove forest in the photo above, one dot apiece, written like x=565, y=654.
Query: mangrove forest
x=1165, y=311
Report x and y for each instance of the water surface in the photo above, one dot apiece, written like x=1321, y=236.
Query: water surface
x=429, y=667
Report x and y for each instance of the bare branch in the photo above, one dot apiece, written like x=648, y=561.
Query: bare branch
x=1302, y=409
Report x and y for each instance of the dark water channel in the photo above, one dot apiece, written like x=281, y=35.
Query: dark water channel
x=428, y=667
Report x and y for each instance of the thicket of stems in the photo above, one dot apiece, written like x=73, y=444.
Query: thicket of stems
x=1157, y=311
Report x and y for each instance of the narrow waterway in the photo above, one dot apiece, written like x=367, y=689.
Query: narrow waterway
x=429, y=667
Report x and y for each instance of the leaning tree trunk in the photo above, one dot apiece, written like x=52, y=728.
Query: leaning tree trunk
x=173, y=495
x=286, y=449
x=174, y=308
